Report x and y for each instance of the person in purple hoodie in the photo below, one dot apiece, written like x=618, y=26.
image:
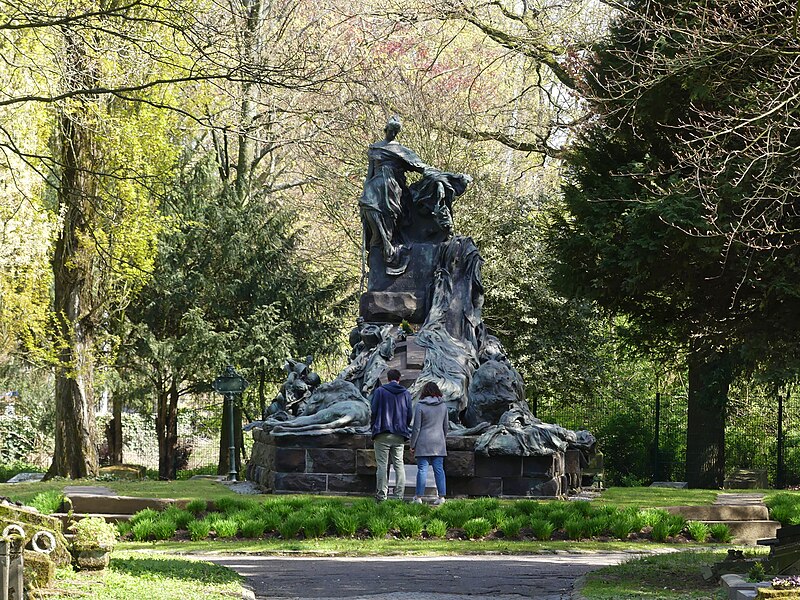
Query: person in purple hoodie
x=391, y=429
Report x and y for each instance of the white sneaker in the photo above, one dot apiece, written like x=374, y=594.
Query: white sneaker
x=416, y=500
x=439, y=501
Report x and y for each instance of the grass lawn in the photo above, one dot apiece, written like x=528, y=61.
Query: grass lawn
x=196, y=488
x=675, y=576
x=386, y=547
x=647, y=497
x=133, y=576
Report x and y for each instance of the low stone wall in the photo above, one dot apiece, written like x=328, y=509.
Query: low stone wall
x=345, y=464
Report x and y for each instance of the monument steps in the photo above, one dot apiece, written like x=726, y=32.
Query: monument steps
x=745, y=515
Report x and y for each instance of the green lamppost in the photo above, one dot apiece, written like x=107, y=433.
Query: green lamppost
x=230, y=384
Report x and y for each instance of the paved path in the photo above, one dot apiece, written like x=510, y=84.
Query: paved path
x=542, y=577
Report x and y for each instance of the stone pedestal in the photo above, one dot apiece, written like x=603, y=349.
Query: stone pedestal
x=345, y=464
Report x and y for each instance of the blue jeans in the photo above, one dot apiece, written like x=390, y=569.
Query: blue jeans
x=438, y=474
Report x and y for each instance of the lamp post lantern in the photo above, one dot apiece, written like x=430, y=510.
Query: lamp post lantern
x=230, y=384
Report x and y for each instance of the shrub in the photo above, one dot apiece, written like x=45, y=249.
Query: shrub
x=721, y=533
x=148, y=514
x=290, y=527
x=163, y=528
x=197, y=506
x=346, y=524
x=478, y=527
x=575, y=528
x=496, y=516
x=482, y=506
x=142, y=530
x=123, y=528
x=675, y=524
x=454, y=513
x=511, y=527
x=660, y=531
x=596, y=525
x=180, y=517
x=226, y=528
x=47, y=502
x=410, y=526
x=9, y=470
x=93, y=532
x=436, y=528
x=230, y=504
x=622, y=525
x=651, y=516
x=558, y=517
x=378, y=527
x=253, y=528
x=315, y=526
x=198, y=530
x=527, y=507
x=542, y=529
x=698, y=531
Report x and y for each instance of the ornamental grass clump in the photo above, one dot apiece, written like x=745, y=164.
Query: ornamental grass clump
x=698, y=531
x=410, y=526
x=226, y=528
x=198, y=530
x=454, y=513
x=512, y=526
x=575, y=528
x=478, y=527
x=163, y=528
x=542, y=529
x=784, y=507
x=721, y=533
x=47, y=502
x=142, y=530
x=496, y=517
x=315, y=526
x=197, y=507
x=378, y=527
x=436, y=528
x=290, y=527
x=346, y=524
x=622, y=525
x=179, y=516
x=147, y=514
x=253, y=528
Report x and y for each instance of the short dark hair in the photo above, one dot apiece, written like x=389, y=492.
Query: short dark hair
x=393, y=375
x=431, y=389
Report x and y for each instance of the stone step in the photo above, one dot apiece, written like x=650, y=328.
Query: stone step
x=115, y=505
x=719, y=512
x=67, y=518
x=749, y=532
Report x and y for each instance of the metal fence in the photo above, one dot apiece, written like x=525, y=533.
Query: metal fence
x=646, y=440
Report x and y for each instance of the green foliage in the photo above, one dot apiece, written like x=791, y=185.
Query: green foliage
x=512, y=526
x=17, y=439
x=410, y=526
x=757, y=572
x=455, y=513
x=178, y=516
x=197, y=506
x=721, y=533
x=198, y=530
x=698, y=531
x=47, y=502
x=123, y=528
x=147, y=514
x=477, y=527
x=254, y=528
x=575, y=528
x=9, y=470
x=542, y=528
x=93, y=532
x=226, y=528
x=622, y=525
x=163, y=528
x=436, y=528
x=290, y=527
x=316, y=525
x=346, y=524
x=378, y=527
x=142, y=530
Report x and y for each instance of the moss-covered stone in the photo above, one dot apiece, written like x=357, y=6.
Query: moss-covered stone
x=39, y=570
x=128, y=472
x=32, y=522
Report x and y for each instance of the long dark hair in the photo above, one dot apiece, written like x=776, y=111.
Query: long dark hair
x=431, y=389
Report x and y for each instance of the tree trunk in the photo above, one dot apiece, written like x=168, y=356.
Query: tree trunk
x=115, y=443
x=710, y=374
x=167, y=431
x=75, y=452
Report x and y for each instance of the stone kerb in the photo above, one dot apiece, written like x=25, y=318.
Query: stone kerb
x=345, y=464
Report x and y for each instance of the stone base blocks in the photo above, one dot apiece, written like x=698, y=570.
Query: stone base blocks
x=345, y=464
